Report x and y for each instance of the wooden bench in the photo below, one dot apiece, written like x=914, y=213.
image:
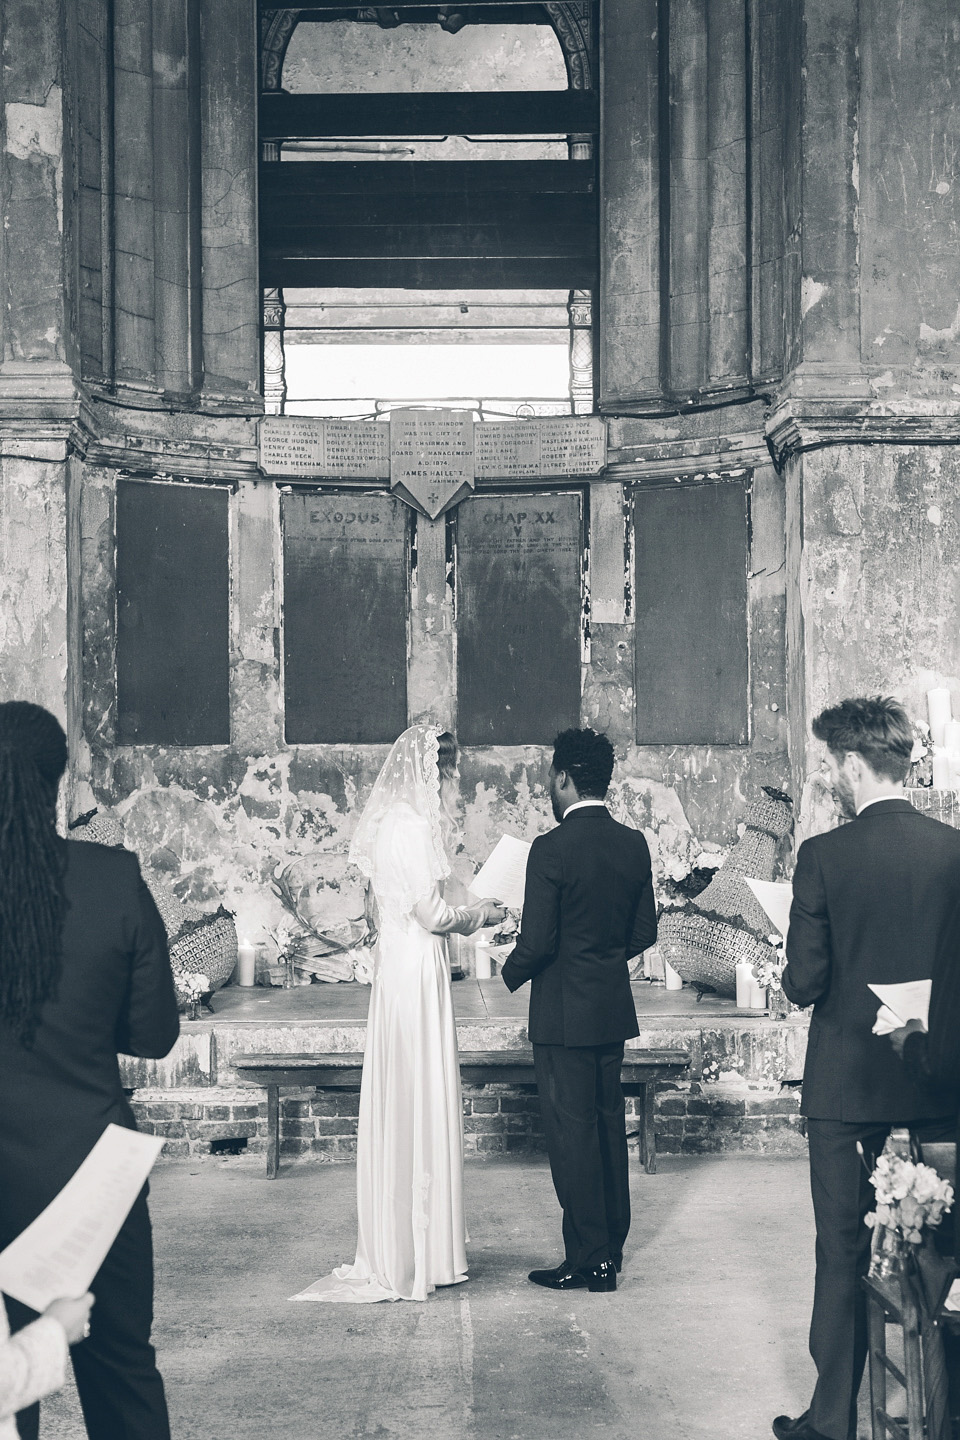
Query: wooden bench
x=641, y=1070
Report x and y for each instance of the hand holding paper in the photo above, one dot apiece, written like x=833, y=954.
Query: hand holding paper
x=776, y=897
x=504, y=874
x=60, y=1253
x=900, y=1003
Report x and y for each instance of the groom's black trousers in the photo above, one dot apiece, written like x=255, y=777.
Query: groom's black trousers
x=583, y=1114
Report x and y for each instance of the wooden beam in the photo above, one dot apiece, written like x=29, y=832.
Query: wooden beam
x=431, y=242
x=425, y=177
x=416, y=273
x=503, y=211
x=322, y=9
x=508, y=112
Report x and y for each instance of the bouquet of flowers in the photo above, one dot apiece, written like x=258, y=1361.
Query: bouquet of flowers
x=909, y=1196
x=768, y=969
x=190, y=987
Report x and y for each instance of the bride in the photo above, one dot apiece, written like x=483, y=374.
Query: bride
x=411, y=1226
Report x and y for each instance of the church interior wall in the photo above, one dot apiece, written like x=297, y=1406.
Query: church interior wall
x=814, y=309
x=217, y=820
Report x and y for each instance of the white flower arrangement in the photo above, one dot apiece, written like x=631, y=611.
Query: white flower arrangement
x=909, y=1196
x=194, y=984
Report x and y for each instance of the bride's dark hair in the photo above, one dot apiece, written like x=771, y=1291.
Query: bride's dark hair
x=448, y=753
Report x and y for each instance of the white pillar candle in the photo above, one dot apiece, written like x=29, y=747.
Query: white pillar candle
x=938, y=707
x=942, y=775
x=483, y=964
x=951, y=737
x=746, y=985
x=246, y=963
x=758, y=994
x=672, y=979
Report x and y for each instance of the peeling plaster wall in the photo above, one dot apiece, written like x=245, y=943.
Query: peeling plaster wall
x=217, y=821
x=876, y=575
x=33, y=581
x=32, y=258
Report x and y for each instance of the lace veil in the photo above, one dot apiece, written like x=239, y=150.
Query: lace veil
x=398, y=843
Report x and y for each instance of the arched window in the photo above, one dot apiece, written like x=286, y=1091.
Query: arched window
x=428, y=209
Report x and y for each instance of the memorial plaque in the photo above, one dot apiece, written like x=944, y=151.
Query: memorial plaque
x=358, y=449
x=291, y=445
x=345, y=568
x=173, y=614
x=574, y=445
x=341, y=449
x=519, y=609
x=431, y=457
x=691, y=614
x=509, y=451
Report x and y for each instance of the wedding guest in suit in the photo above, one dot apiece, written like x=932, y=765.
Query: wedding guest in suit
x=84, y=973
x=588, y=907
x=33, y=1363
x=872, y=901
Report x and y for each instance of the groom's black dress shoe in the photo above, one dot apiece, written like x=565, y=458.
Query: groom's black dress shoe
x=602, y=1277
x=800, y=1429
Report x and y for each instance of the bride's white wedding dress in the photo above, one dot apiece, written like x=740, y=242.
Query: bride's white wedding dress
x=411, y=1225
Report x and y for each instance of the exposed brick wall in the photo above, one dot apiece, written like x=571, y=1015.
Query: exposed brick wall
x=322, y=1125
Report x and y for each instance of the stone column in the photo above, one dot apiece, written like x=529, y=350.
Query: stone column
x=866, y=421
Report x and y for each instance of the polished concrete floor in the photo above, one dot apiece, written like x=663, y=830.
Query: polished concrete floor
x=705, y=1337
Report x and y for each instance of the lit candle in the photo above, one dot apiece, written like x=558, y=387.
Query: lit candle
x=938, y=706
x=246, y=964
x=483, y=961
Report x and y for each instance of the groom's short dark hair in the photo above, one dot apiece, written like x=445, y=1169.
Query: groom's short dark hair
x=587, y=758
x=876, y=727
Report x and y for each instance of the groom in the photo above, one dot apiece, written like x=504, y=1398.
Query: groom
x=588, y=907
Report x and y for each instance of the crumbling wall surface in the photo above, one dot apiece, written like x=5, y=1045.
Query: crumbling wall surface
x=33, y=579
x=878, y=581
x=909, y=194
x=31, y=185
x=217, y=821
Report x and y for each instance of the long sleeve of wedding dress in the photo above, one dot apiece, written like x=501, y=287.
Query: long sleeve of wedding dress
x=435, y=915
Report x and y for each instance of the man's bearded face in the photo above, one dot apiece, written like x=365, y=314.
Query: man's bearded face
x=842, y=788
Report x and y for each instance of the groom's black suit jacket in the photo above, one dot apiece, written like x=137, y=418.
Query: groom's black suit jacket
x=872, y=901
x=588, y=907
x=115, y=994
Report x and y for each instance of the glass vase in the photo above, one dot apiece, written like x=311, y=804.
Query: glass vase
x=886, y=1258
x=193, y=1007
x=778, y=1006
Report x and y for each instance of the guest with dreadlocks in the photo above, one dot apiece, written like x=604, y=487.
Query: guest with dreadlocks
x=84, y=973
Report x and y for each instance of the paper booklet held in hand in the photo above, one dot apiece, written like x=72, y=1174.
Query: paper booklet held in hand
x=776, y=897
x=900, y=1003
x=61, y=1251
x=504, y=874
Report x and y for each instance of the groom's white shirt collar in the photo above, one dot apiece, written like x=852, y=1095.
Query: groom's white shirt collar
x=579, y=804
x=877, y=799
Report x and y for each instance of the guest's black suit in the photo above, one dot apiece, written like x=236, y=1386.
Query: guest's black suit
x=871, y=902
x=588, y=907
x=57, y=1098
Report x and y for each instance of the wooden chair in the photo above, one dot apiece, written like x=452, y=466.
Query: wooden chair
x=896, y=1302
